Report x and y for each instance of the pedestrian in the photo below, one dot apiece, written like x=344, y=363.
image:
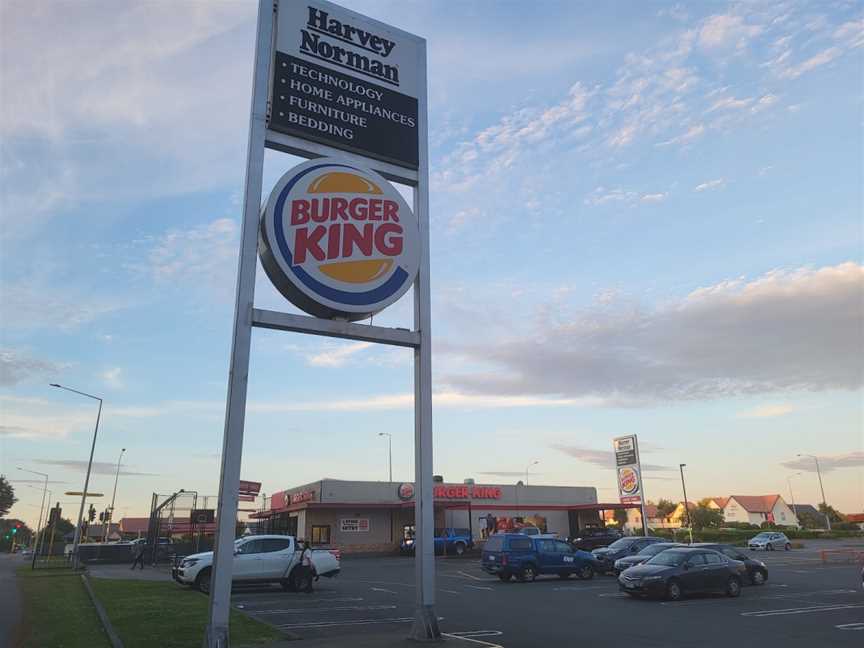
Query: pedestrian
x=307, y=571
x=139, y=555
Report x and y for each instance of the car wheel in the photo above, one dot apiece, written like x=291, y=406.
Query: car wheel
x=769, y=547
x=733, y=587
x=528, y=574
x=788, y=546
x=586, y=572
x=757, y=577
x=674, y=591
x=565, y=575
x=297, y=581
x=202, y=581
x=459, y=548
x=504, y=578
x=286, y=585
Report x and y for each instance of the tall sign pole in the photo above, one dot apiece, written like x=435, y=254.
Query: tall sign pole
x=235, y=411
x=629, y=474
x=334, y=237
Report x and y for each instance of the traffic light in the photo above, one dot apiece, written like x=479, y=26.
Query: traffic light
x=102, y=516
x=91, y=513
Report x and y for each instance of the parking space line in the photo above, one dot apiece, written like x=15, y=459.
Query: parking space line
x=450, y=591
x=244, y=605
x=850, y=626
x=471, y=637
x=334, y=624
x=795, y=595
x=576, y=588
x=480, y=587
x=381, y=589
x=471, y=576
x=803, y=610
x=345, y=608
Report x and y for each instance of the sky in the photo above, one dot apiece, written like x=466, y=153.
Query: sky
x=646, y=218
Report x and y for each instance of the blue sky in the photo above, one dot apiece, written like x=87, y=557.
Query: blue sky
x=646, y=218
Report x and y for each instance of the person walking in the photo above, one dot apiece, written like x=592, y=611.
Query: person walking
x=307, y=571
x=139, y=555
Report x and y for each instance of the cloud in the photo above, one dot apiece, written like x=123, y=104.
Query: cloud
x=719, y=183
x=693, y=133
x=654, y=198
x=602, y=458
x=37, y=481
x=726, y=30
x=508, y=473
x=98, y=467
x=338, y=355
x=16, y=367
x=783, y=332
x=767, y=411
x=603, y=196
x=113, y=378
x=35, y=304
x=730, y=103
x=822, y=58
x=37, y=418
x=827, y=463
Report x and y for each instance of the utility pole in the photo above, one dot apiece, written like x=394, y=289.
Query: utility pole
x=821, y=488
x=389, y=451
x=686, y=507
x=113, y=496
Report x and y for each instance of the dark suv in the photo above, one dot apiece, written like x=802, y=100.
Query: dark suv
x=593, y=537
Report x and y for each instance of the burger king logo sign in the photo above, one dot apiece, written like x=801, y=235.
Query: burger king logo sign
x=628, y=481
x=338, y=241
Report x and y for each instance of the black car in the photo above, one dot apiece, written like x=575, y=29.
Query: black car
x=685, y=570
x=757, y=572
x=593, y=537
x=648, y=552
x=606, y=556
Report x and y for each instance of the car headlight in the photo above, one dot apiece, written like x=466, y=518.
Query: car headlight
x=189, y=562
x=760, y=563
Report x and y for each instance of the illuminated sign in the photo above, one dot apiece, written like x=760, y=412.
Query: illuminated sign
x=302, y=496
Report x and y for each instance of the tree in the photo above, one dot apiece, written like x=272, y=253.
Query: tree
x=703, y=517
x=7, y=496
x=833, y=514
x=810, y=520
x=620, y=517
x=665, y=508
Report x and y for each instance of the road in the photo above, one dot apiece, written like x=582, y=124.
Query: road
x=804, y=604
x=10, y=602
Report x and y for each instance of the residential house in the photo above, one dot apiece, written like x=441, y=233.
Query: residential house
x=757, y=509
x=675, y=520
x=856, y=518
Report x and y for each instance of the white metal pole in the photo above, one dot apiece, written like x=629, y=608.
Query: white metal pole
x=642, y=488
x=425, y=620
x=216, y=634
x=113, y=495
x=390, y=455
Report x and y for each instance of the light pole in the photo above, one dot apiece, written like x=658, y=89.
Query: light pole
x=77, y=539
x=39, y=524
x=533, y=463
x=389, y=451
x=113, y=496
x=686, y=507
x=792, y=496
x=821, y=488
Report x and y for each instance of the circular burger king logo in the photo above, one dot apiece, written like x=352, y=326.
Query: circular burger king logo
x=338, y=241
x=405, y=491
x=628, y=480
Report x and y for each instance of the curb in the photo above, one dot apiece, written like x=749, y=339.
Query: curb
x=113, y=637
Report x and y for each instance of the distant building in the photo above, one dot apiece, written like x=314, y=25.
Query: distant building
x=757, y=509
x=856, y=518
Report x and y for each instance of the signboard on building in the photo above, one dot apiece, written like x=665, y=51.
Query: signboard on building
x=346, y=81
x=354, y=525
x=628, y=470
x=302, y=496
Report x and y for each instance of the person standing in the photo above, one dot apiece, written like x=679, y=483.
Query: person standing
x=139, y=555
x=307, y=571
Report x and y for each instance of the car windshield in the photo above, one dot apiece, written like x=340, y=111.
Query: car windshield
x=653, y=549
x=762, y=536
x=669, y=558
x=623, y=543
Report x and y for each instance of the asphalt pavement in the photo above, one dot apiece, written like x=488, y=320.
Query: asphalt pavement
x=10, y=601
x=805, y=603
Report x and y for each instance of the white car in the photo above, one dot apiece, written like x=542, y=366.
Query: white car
x=258, y=559
x=769, y=541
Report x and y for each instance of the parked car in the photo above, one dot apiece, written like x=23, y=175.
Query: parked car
x=606, y=556
x=506, y=555
x=447, y=541
x=685, y=570
x=258, y=559
x=757, y=572
x=594, y=537
x=769, y=541
x=637, y=559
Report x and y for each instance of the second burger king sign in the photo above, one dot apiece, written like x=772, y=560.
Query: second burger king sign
x=338, y=241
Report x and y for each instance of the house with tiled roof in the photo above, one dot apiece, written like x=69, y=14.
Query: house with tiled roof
x=756, y=509
x=717, y=502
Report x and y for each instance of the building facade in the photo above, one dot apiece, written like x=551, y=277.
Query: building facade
x=756, y=509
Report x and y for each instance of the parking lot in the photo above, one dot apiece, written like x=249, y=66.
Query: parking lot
x=804, y=603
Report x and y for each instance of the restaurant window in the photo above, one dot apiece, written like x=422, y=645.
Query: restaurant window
x=320, y=535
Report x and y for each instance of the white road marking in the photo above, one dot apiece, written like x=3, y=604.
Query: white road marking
x=381, y=589
x=850, y=626
x=345, y=599
x=376, y=582
x=777, y=585
x=451, y=591
x=795, y=595
x=471, y=576
x=803, y=610
x=333, y=624
x=471, y=637
x=353, y=608
x=576, y=588
x=480, y=587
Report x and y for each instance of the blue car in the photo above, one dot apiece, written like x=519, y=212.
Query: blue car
x=506, y=555
x=447, y=541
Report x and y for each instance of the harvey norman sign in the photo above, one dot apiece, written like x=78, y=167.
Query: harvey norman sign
x=346, y=81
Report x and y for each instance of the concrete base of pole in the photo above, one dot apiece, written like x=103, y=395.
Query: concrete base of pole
x=425, y=627
x=215, y=637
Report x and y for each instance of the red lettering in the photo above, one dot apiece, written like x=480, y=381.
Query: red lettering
x=375, y=209
x=320, y=210
x=357, y=208
x=352, y=237
x=439, y=491
x=299, y=212
x=337, y=208
x=391, y=246
x=333, y=238
x=304, y=243
x=391, y=211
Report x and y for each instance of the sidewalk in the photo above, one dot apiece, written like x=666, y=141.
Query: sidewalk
x=124, y=572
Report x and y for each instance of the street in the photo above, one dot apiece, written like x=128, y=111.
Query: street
x=804, y=604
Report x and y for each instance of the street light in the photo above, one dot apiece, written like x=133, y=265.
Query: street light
x=686, y=507
x=389, y=451
x=792, y=496
x=39, y=525
x=77, y=539
x=533, y=463
x=116, y=477
x=821, y=488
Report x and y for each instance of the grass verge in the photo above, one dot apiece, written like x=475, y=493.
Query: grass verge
x=147, y=613
x=57, y=611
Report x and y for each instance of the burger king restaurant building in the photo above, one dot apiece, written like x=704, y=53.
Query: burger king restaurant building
x=363, y=516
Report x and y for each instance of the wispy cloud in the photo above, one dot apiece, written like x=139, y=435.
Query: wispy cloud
x=18, y=367
x=338, y=355
x=827, y=463
x=602, y=458
x=719, y=183
x=767, y=411
x=112, y=378
x=97, y=468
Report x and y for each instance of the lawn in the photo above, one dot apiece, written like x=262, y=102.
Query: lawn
x=147, y=613
x=57, y=611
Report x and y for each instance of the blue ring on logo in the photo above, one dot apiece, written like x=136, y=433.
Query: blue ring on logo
x=380, y=293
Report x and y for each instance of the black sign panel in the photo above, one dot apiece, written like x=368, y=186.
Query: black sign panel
x=202, y=516
x=625, y=452
x=317, y=103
